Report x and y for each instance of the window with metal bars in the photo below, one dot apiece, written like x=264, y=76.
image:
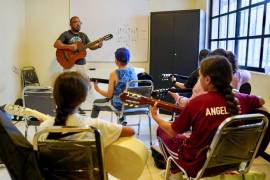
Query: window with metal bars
x=243, y=27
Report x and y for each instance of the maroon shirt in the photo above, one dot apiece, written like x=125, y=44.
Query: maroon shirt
x=203, y=115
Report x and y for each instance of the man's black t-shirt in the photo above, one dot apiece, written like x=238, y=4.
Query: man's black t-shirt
x=68, y=37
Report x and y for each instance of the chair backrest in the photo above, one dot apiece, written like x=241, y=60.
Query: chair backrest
x=29, y=76
x=16, y=152
x=245, y=88
x=145, y=90
x=39, y=98
x=235, y=144
x=71, y=157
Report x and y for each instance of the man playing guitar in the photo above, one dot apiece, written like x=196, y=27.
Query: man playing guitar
x=68, y=40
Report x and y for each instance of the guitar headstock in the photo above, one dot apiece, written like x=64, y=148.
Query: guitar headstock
x=132, y=100
x=17, y=110
x=107, y=37
x=25, y=112
x=159, y=93
x=166, y=77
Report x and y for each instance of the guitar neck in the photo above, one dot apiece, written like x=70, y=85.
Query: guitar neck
x=160, y=92
x=104, y=38
x=105, y=81
x=162, y=104
x=132, y=99
x=89, y=45
x=26, y=112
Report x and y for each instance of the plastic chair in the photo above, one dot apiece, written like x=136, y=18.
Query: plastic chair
x=70, y=156
x=233, y=147
x=128, y=110
x=29, y=76
x=38, y=98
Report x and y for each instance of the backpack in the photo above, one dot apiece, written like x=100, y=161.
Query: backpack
x=144, y=76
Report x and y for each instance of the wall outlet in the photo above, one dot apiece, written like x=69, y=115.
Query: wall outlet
x=16, y=70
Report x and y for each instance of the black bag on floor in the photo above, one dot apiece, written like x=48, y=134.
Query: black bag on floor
x=158, y=158
x=16, y=152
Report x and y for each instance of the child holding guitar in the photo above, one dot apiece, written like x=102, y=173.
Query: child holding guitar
x=70, y=91
x=117, y=84
x=203, y=114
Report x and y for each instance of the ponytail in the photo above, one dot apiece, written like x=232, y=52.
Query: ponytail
x=219, y=69
x=232, y=104
x=70, y=90
x=61, y=117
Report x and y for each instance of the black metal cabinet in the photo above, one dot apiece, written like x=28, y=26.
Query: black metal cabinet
x=176, y=39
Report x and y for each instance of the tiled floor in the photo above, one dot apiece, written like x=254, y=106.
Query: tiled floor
x=150, y=171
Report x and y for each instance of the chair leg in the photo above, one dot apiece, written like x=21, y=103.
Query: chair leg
x=139, y=126
x=265, y=156
x=25, y=132
x=118, y=117
x=26, y=128
x=150, y=128
x=168, y=167
x=112, y=116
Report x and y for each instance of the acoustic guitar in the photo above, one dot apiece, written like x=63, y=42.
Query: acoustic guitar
x=67, y=58
x=116, y=154
x=26, y=112
x=134, y=100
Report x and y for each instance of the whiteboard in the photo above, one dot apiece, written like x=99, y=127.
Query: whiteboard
x=127, y=20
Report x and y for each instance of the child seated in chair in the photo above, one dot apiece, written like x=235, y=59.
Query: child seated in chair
x=117, y=84
x=239, y=77
x=203, y=114
x=193, y=77
x=70, y=91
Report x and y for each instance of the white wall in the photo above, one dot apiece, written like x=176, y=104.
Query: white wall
x=170, y=5
x=200, y=4
x=46, y=19
x=29, y=29
x=12, y=20
x=260, y=85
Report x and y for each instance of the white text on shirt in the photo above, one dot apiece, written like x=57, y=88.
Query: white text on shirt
x=213, y=111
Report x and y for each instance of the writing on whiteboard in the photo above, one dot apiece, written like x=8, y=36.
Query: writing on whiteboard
x=127, y=35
